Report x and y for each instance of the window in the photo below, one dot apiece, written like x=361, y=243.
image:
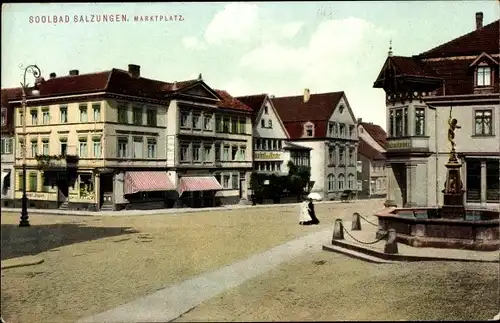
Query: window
x=45, y=116
x=262, y=123
x=341, y=157
x=279, y=144
x=63, y=114
x=151, y=148
x=34, y=117
x=151, y=118
x=331, y=183
x=492, y=180
x=335, y=129
x=225, y=180
x=138, y=147
x=197, y=152
x=21, y=118
x=271, y=144
x=309, y=128
x=399, y=122
x=185, y=119
x=266, y=109
x=86, y=186
x=483, y=122
x=243, y=152
x=236, y=181
x=218, y=178
x=218, y=124
x=391, y=123
x=21, y=181
x=234, y=125
x=330, y=129
x=7, y=146
x=331, y=155
x=96, y=109
x=64, y=148
x=225, y=153
x=33, y=179
x=351, y=131
x=20, y=148
x=419, y=121
x=341, y=181
x=270, y=123
x=122, y=113
x=226, y=121
x=34, y=149
x=405, y=122
x=185, y=153
x=351, y=157
x=483, y=76
x=83, y=147
x=234, y=153
x=4, y=116
x=137, y=116
x=342, y=130
x=96, y=148
x=45, y=183
x=45, y=147
x=207, y=153
x=217, y=152
x=473, y=173
x=122, y=147
x=207, y=122
x=196, y=121
x=350, y=181
x=83, y=113
x=242, y=125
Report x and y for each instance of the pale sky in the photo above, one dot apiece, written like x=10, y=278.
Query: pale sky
x=244, y=47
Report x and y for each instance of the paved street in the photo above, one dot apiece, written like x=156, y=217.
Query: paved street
x=120, y=259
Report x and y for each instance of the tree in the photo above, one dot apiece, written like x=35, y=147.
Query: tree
x=299, y=178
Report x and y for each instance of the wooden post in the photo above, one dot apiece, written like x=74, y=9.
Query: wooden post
x=338, y=230
x=356, y=222
x=391, y=245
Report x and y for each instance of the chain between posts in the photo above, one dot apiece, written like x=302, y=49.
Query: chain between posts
x=367, y=220
x=368, y=243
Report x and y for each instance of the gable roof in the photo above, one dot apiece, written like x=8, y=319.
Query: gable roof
x=376, y=132
x=118, y=81
x=294, y=112
x=484, y=39
x=368, y=151
x=253, y=101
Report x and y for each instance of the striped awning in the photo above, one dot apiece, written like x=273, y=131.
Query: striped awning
x=199, y=183
x=146, y=182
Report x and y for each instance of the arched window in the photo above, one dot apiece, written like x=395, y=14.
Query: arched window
x=341, y=181
x=350, y=181
x=331, y=182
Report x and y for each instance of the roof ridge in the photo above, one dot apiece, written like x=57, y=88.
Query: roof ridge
x=93, y=73
x=490, y=25
x=311, y=94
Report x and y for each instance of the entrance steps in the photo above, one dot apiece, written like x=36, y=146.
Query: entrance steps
x=107, y=207
x=63, y=206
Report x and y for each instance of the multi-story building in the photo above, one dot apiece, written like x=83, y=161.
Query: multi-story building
x=458, y=79
x=325, y=123
x=272, y=147
x=372, y=140
x=7, y=146
x=118, y=140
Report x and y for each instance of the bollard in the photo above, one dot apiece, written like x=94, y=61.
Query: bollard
x=338, y=230
x=391, y=245
x=356, y=222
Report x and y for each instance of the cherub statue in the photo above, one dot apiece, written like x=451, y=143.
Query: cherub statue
x=451, y=131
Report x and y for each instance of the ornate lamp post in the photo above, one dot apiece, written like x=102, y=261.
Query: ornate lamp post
x=31, y=69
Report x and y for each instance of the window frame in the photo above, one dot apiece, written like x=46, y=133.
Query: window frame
x=491, y=118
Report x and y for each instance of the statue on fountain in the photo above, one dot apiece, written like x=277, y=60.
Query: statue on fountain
x=451, y=135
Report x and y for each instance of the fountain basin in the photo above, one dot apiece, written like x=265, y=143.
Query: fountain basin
x=424, y=227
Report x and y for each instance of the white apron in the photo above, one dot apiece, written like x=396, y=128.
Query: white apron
x=304, y=212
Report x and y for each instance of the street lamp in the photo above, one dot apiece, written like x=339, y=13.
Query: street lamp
x=31, y=69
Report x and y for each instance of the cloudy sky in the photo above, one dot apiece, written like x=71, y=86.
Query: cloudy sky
x=245, y=48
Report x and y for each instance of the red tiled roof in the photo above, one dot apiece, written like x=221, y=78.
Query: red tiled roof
x=474, y=43
x=294, y=112
x=408, y=66
x=368, y=151
x=376, y=132
x=120, y=82
x=253, y=101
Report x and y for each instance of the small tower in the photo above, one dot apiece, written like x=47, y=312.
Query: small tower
x=390, y=48
x=200, y=78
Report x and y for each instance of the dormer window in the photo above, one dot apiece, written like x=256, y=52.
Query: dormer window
x=309, y=129
x=262, y=123
x=483, y=76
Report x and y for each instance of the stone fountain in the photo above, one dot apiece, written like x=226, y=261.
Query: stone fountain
x=449, y=226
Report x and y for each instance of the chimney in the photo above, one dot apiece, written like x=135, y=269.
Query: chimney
x=74, y=72
x=360, y=120
x=53, y=75
x=134, y=70
x=307, y=95
x=272, y=96
x=479, y=20
x=174, y=86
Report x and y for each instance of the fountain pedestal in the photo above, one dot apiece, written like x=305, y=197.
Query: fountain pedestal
x=453, y=204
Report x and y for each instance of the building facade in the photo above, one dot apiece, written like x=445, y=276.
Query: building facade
x=459, y=80
x=7, y=147
x=372, y=140
x=324, y=123
x=114, y=140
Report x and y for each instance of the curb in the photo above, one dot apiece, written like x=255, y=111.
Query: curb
x=11, y=263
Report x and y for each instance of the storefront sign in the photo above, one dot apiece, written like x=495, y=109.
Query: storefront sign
x=398, y=144
x=37, y=196
x=261, y=155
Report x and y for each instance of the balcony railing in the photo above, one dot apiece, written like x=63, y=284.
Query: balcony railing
x=408, y=143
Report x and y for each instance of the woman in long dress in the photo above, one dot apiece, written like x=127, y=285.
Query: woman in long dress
x=312, y=213
x=304, y=217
